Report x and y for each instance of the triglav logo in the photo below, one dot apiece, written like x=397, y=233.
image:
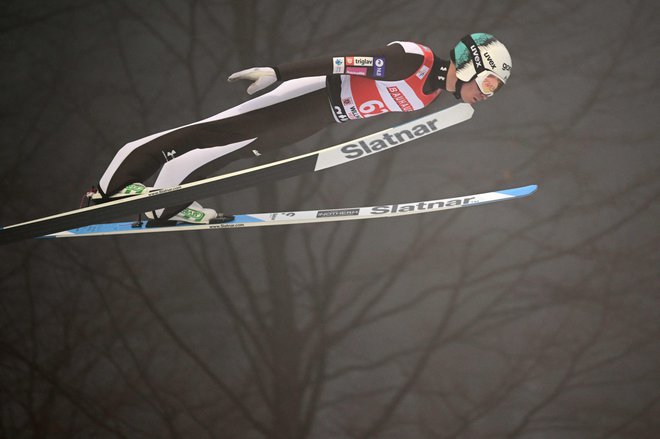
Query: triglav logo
x=359, y=61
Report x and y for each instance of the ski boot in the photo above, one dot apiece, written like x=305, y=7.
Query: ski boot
x=94, y=195
x=193, y=214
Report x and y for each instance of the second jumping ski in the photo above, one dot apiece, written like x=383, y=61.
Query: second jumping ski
x=304, y=217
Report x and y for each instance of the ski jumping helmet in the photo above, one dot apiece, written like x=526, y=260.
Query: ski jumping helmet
x=484, y=58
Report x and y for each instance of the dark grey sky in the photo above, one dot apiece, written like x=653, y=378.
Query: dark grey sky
x=532, y=318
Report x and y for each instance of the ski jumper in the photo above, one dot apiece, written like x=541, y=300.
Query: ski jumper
x=316, y=93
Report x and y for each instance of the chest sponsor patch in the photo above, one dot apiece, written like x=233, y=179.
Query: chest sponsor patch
x=359, y=61
x=400, y=98
x=422, y=72
x=338, y=65
x=357, y=71
x=379, y=67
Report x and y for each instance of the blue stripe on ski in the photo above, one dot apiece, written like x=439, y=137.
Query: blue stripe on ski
x=127, y=226
x=520, y=191
x=246, y=219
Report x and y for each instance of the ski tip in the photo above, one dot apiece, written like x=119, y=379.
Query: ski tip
x=521, y=191
x=465, y=108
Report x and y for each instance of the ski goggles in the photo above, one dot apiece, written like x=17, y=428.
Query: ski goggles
x=488, y=82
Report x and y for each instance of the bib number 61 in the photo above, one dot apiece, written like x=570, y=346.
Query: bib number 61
x=372, y=108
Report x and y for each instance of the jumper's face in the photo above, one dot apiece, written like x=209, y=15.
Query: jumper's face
x=471, y=93
x=481, y=88
x=488, y=83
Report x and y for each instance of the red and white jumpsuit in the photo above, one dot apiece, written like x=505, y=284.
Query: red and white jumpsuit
x=402, y=76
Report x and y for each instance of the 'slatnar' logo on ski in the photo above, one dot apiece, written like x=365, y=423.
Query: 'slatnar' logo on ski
x=355, y=150
x=422, y=205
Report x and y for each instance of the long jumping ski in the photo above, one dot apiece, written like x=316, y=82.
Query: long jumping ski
x=307, y=216
x=311, y=162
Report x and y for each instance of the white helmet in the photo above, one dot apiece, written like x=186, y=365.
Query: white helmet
x=480, y=55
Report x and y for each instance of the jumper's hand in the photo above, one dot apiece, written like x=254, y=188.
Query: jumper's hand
x=262, y=77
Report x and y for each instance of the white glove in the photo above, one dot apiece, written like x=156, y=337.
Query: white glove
x=262, y=77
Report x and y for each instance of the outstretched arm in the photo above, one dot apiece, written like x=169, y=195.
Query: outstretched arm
x=387, y=63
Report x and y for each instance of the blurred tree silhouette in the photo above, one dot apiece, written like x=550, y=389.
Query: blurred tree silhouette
x=537, y=318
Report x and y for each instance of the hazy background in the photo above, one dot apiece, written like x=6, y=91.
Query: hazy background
x=534, y=318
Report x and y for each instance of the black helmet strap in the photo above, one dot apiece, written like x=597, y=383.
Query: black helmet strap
x=477, y=61
x=457, y=92
x=475, y=54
